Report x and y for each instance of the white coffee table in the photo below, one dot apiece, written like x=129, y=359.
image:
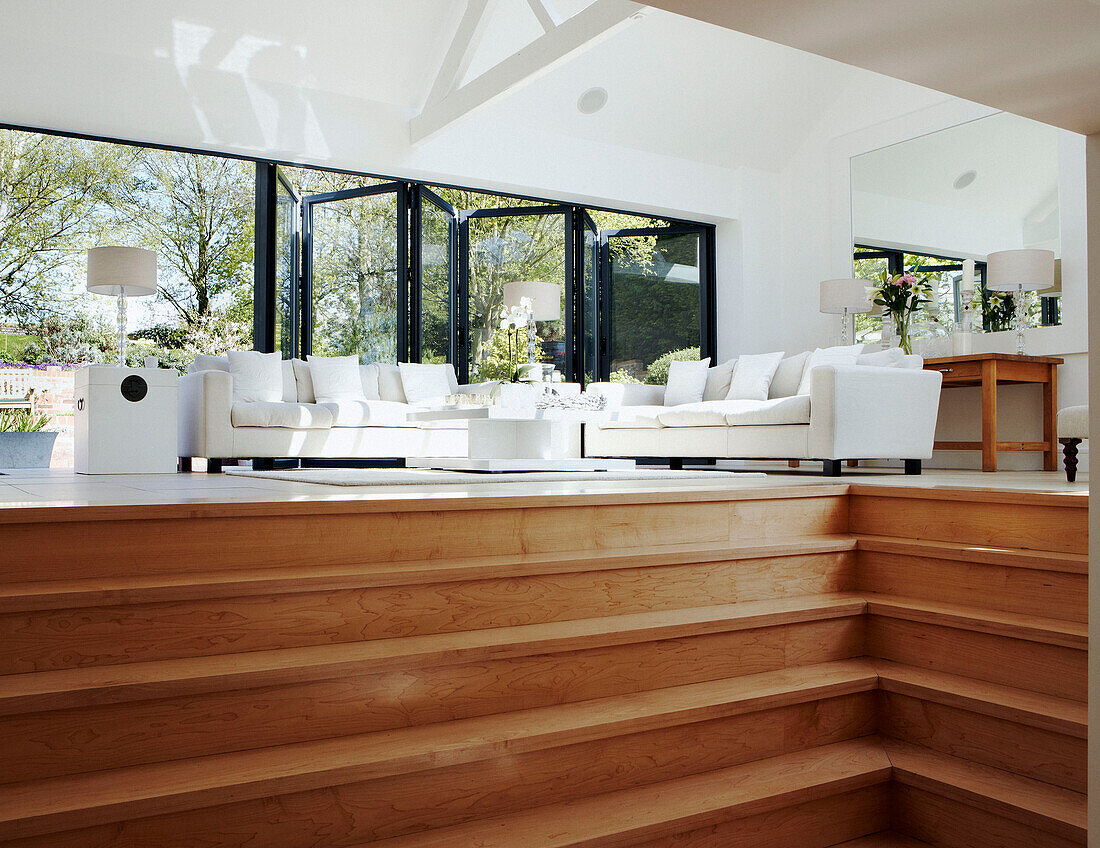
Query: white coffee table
x=504, y=439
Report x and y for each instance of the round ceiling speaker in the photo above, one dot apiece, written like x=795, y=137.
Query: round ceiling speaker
x=965, y=178
x=592, y=101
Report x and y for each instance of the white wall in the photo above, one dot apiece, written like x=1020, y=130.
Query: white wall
x=815, y=244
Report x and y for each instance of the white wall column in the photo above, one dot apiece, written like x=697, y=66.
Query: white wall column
x=1092, y=188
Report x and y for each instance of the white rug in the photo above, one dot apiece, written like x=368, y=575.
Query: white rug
x=421, y=476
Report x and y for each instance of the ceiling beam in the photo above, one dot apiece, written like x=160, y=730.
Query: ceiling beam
x=569, y=38
x=464, y=45
x=548, y=16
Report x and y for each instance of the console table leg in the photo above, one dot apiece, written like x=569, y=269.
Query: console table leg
x=989, y=415
x=1050, y=418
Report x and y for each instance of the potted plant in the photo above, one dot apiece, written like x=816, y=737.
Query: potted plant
x=901, y=295
x=24, y=440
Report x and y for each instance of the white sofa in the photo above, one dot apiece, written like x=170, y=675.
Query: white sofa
x=851, y=412
x=213, y=426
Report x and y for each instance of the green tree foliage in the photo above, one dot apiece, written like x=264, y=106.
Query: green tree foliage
x=49, y=192
x=198, y=213
x=657, y=373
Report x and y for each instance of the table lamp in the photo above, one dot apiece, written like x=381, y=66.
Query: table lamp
x=844, y=298
x=1019, y=271
x=545, y=300
x=123, y=272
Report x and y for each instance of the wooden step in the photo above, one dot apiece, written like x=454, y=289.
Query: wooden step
x=1020, y=706
x=1024, y=520
x=1047, y=808
x=885, y=839
x=1045, y=585
x=175, y=711
x=408, y=775
x=315, y=577
x=51, y=690
x=54, y=544
x=983, y=554
x=1012, y=729
x=284, y=614
x=1022, y=663
x=678, y=806
x=1049, y=631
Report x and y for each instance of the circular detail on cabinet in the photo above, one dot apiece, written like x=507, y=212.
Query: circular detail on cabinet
x=134, y=388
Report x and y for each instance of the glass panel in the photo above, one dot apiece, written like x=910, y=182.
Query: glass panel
x=654, y=290
x=590, y=339
x=354, y=267
x=503, y=250
x=436, y=276
x=869, y=324
x=286, y=270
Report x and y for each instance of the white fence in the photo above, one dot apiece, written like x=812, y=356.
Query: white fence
x=18, y=382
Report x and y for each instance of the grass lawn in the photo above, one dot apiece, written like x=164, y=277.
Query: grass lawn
x=12, y=344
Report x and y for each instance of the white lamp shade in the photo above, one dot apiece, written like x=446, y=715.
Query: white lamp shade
x=545, y=298
x=839, y=296
x=1030, y=269
x=122, y=270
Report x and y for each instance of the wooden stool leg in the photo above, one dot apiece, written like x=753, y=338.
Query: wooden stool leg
x=1069, y=453
x=852, y=463
x=793, y=463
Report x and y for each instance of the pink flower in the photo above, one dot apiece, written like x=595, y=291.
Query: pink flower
x=907, y=279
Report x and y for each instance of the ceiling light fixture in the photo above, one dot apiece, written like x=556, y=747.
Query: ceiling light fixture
x=965, y=178
x=592, y=101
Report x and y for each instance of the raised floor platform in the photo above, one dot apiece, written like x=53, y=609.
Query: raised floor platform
x=787, y=662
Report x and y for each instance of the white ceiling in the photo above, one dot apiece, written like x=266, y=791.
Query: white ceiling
x=677, y=86
x=1016, y=160
x=1038, y=58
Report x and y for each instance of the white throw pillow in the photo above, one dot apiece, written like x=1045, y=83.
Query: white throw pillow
x=257, y=377
x=839, y=355
x=892, y=357
x=788, y=375
x=389, y=383
x=686, y=382
x=753, y=376
x=303, y=380
x=368, y=374
x=202, y=362
x=718, y=380
x=336, y=378
x=423, y=383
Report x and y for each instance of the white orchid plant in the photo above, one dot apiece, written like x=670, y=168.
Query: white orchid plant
x=514, y=321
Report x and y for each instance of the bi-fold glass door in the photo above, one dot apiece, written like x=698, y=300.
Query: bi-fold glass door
x=653, y=296
x=505, y=245
x=434, y=302
x=287, y=263
x=355, y=273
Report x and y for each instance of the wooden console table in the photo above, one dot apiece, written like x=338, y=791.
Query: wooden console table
x=990, y=370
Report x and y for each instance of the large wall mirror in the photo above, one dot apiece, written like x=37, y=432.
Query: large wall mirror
x=926, y=204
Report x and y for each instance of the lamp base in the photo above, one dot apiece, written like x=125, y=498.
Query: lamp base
x=1021, y=321
x=122, y=327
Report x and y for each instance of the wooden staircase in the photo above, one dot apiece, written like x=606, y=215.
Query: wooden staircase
x=799, y=667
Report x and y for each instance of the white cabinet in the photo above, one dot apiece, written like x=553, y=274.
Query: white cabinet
x=125, y=420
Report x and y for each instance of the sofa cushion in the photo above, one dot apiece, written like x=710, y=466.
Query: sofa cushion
x=634, y=417
x=687, y=380
x=257, y=377
x=708, y=413
x=892, y=357
x=203, y=362
x=426, y=383
x=336, y=378
x=368, y=413
x=789, y=410
x=303, y=381
x=297, y=416
x=389, y=383
x=368, y=374
x=788, y=375
x=718, y=380
x=753, y=376
x=838, y=355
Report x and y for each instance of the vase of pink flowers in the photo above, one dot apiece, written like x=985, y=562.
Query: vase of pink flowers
x=900, y=296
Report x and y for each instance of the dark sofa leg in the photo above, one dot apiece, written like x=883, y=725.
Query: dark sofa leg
x=1069, y=457
x=912, y=466
x=183, y=465
x=213, y=466
x=830, y=467
x=676, y=463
